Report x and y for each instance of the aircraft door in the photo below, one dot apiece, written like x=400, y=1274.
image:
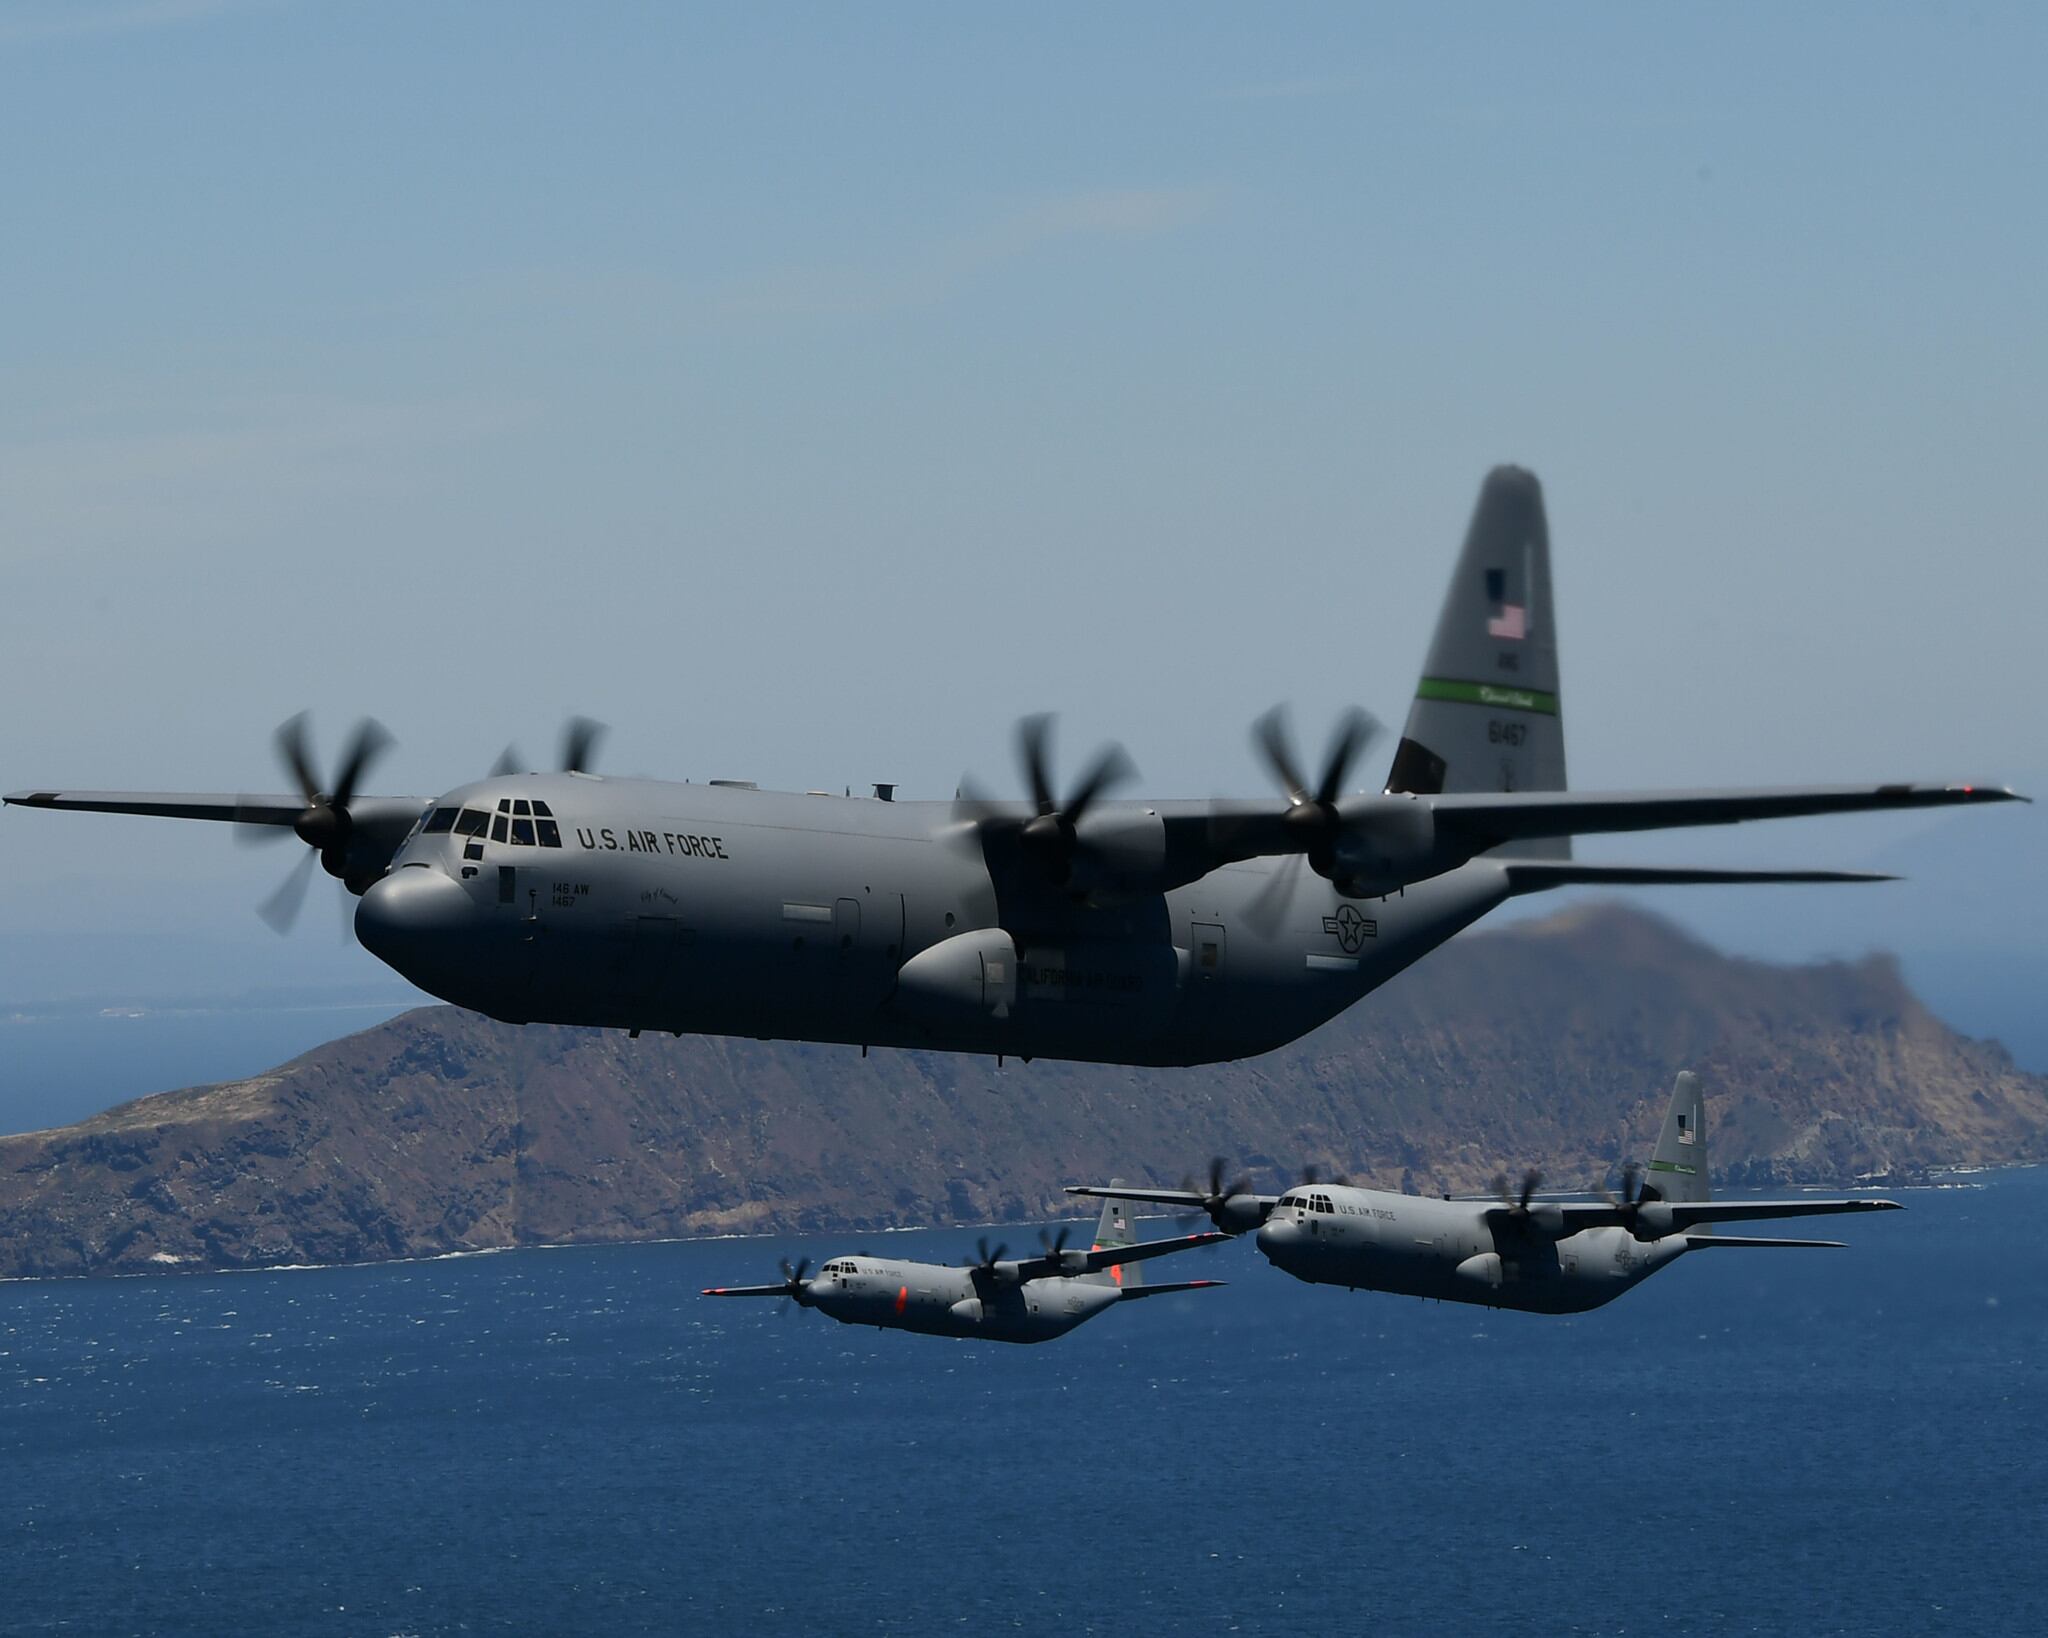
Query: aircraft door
x=868, y=933
x=516, y=906
x=883, y=929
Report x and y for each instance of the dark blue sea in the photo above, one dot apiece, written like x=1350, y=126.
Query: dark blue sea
x=573, y=1441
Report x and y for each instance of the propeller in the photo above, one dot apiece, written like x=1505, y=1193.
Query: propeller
x=793, y=1282
x=1312, y=814
x=1633, y=1199
x=1230, y=1206
x=1312, y=817
x=1052, y=833
x=1532, y=1180
x=581, y=737
x=1052, y=1245
x=1048, y=831
x=324, y=824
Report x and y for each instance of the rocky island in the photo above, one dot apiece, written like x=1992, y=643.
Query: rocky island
x=1549, y=1043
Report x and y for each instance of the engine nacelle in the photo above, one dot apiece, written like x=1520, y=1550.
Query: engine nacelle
x=1389, y=842
x=1119, y=856
x=1653, y=1220
x=971, y=975
x=1239, y=1214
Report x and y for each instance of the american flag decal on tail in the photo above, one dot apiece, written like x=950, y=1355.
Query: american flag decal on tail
x=1504, y=619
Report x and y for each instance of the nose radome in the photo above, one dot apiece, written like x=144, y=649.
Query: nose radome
x=409, y=913
x=1276, y=1235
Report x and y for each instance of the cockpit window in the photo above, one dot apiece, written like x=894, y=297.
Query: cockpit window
x=512, y=824
x=440, y=821
x=542, y=810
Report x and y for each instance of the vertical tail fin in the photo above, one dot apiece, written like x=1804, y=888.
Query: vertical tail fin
x=1116, y=1228
x=1678, y=1168
x=1486, y=715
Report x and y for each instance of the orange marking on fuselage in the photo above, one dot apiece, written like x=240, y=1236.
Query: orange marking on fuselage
x=902, y=1299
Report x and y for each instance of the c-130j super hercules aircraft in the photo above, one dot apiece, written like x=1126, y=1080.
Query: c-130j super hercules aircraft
x=1075, y=927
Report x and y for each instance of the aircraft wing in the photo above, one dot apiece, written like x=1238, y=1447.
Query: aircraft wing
x=1701, y=1240
x=1379, y=843
x=1094, y=1262
x=1510, y=816
x=1690, y=1214
x=1675, y=1216
x=747, y=1290
x=1188, y=1200
x=246, y=810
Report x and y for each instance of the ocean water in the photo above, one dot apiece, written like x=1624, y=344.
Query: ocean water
x=574, y=1441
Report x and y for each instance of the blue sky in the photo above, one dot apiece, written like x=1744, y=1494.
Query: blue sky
x=810, y=391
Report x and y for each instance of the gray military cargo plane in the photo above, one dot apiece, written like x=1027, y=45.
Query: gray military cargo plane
x=1517, y=1251
x=1070, y=927
x=997, y=1298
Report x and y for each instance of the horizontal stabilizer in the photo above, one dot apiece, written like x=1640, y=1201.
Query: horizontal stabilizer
x=1539, y=875
x=1132, y=1293
x=1700, y=1242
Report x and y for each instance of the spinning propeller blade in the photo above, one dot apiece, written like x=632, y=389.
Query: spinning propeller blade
x=324, y=824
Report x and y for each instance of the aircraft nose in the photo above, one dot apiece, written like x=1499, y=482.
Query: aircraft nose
x=409, y=913
x=1277, y=1237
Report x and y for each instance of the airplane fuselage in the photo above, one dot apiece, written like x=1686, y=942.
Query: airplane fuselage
x=934, y=1300
x=714, y=909
x=1453, y=1251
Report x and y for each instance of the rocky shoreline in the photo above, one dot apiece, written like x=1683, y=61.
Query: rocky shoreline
x=1550, y=1043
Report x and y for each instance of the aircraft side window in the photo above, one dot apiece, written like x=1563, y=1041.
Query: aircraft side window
x=550, y=832
x=439, y=821
x=472, y=822
x=522, y=832
x=497, y=827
